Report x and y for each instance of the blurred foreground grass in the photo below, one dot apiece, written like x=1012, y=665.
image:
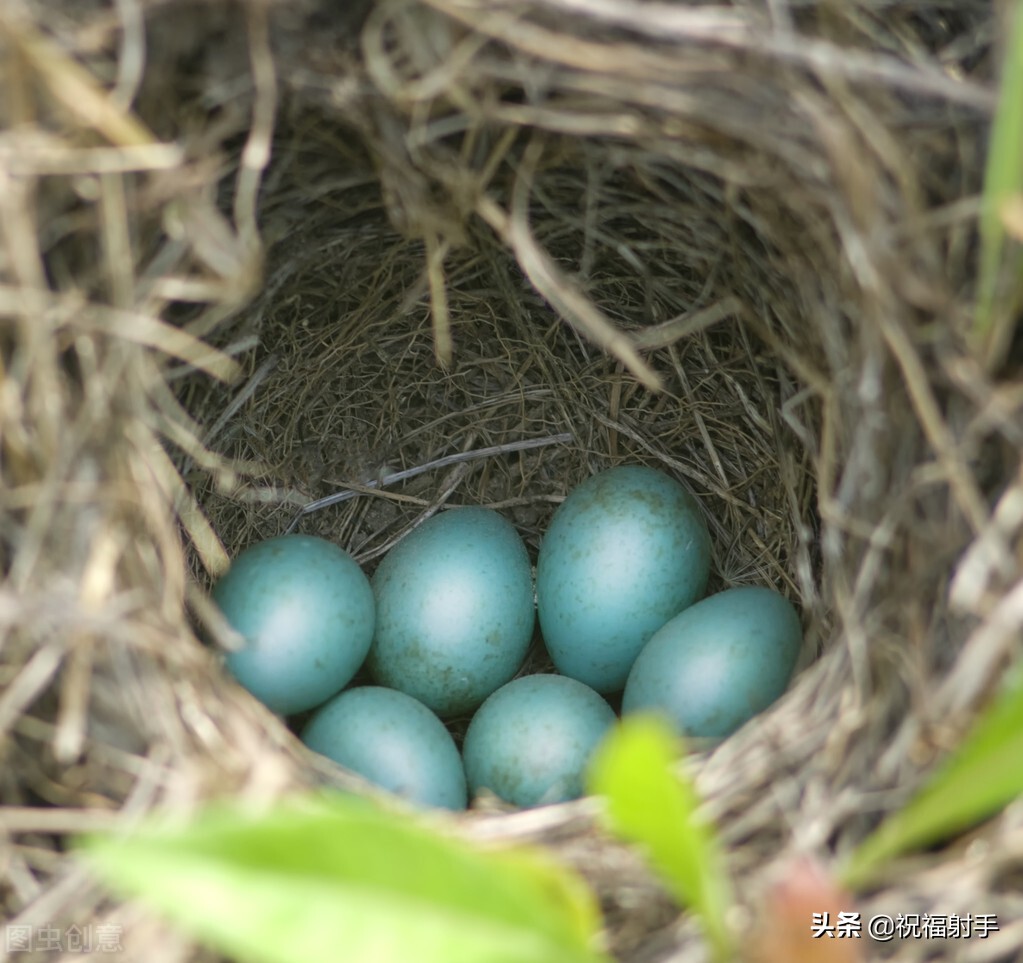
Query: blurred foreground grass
x=1000, y=280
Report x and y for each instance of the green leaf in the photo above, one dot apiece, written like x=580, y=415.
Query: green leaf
x=337, y=879
x=983, y=775
x=648, y=804
x=1000, y=257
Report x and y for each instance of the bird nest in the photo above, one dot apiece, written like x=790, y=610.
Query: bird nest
x=262, y=252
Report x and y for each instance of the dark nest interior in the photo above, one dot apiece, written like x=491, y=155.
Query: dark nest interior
x=252, y=253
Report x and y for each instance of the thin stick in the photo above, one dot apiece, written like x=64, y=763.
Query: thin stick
x=462, y=456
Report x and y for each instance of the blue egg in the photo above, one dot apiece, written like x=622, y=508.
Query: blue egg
x=393, y=741
x=530, y=742
x=718, y=663
x=455, y=610
x=627, y=550
x=306, y=611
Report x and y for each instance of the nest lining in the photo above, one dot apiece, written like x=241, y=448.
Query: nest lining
x=777, y=231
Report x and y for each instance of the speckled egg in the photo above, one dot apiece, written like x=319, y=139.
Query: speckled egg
x=718, y=663
x=306, y=611
x=455, y=610
x=627, y=550
x=529, y=743
x=393, y=741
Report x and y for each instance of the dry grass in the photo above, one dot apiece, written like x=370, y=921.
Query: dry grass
x=253, y=257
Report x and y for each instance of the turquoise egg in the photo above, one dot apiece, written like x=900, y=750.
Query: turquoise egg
x=306, y=611
x=718, y=663
x=627, y=550
x=455, y=610
x=530, y=742
x=392, y=740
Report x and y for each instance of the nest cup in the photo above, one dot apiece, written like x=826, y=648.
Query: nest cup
x=284, y=249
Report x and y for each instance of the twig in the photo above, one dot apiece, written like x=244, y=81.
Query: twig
x=462, y=456
x=551, y=283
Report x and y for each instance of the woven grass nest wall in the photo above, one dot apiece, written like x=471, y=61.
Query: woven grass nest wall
x=253, y=253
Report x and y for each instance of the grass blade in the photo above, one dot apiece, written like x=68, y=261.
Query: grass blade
x=980, y=778
x=342, y=880
x=648, y=804
x=1000, y=291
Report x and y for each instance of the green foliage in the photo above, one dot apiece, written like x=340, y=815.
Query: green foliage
x=335, y=878
x=648, y=804
x=1001, y=259
x=981, y=777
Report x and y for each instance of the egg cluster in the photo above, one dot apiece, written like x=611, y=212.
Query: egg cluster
x=445, y=624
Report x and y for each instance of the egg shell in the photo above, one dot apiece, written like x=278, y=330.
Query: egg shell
x=455, y=611
x=392, y=740
x=626, y=551
x=530, y=742
x=718, y=663
x=307, y=613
